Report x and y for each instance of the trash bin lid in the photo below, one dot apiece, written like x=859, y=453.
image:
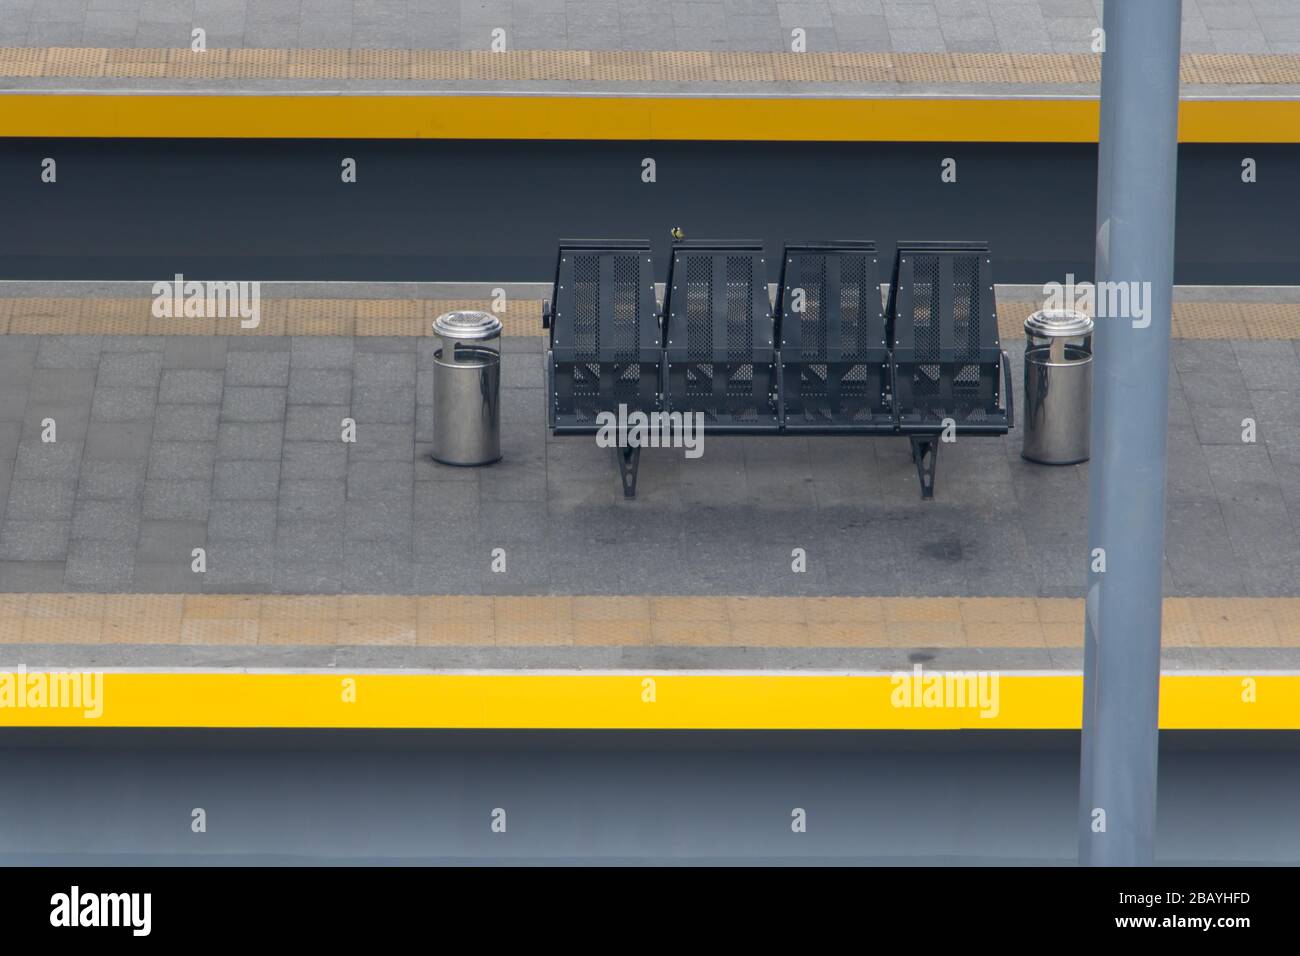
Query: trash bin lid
x=467, y=324
x=1058, y=323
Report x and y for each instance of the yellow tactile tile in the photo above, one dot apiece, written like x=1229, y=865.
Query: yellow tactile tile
x=455, y=619
x=619, y=67
x=221, y=607
x=923, y=633
x=314, y=633
x=1060, y=611
x=823, y=611
x=216, y=631
x=908, y=610
x=520, y=317
x=678, y=633
x=763, y=610
x=771, y=634
x=1009, y=633
x=847, y=634
x=533, y=620
x=552, y=620
x=989, y=610
x=688, y=609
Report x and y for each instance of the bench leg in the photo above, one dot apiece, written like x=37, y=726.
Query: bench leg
x=925, y=452
x=629, y=460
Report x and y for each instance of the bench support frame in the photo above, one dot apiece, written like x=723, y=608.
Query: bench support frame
x=629, y=461
x=925, y=452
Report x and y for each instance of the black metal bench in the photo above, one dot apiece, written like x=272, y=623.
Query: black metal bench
x=828, y=359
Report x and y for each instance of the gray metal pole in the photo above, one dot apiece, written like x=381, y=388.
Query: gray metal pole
x=1126, y=495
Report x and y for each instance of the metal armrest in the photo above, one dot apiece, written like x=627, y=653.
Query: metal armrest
x=1011, y=394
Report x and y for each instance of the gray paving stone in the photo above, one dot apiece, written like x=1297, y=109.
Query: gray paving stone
x=257, y=368
x=380, y=481
x=178, y=460
x=246, y=480
x=53, y=460
x=125, y=404
x=384, y=369
x=195, y=353
x=259, y=343
x=239, y=566
x=98, y=566
x=383, y=405
x=384, y=443
x=170, y=542
x=118, y=441
x=321, y=353
x=112, y=480
x=320, y=386
x=240, y=404
x=130, y=369
x=181, y=386
x=62, y=386
x=117, y=521
x=186, y=422
x=41, y=499
x=172, y=577
x=68, y=351
x=378, y=520
x=33, y=540
x=254, y=441
x=252, y=521
x=375, y=567
x=311, y=499
x=309, y=541
x=315, y=423
x=178, y=500
x=10, y=433
x=17, y=367
x=38, y=577
x=312, y=459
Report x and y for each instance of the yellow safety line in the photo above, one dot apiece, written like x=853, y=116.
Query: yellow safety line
x=633, y=701
x=545, y=117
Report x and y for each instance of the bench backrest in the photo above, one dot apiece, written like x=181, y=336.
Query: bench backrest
x=944, y=333
x=606, y=344
x=834, y=345
x=719, y=332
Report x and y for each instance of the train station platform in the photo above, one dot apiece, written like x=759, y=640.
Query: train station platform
x=714, y=69
x=326, y=560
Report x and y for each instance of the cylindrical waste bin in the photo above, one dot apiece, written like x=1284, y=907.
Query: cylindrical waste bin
x=1058, y=386
x=467, y=389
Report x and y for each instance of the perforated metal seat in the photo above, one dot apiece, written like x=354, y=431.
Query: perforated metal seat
x=834, y=349
x=946, y=353
x=720, y=336
x=944, y=328
x=605, y=342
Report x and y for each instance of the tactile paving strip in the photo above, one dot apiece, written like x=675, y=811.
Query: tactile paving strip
x=414, y=317
x=536, y=621
x=134, y=316
x=619, y=66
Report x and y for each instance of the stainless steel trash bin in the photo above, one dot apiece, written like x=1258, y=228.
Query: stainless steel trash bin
x=467, y=389
x=1058, y=387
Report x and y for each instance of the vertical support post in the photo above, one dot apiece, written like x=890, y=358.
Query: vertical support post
x=1126, y=495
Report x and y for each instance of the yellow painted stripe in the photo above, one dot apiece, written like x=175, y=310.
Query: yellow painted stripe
x=682, y=701
x=548, y=117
